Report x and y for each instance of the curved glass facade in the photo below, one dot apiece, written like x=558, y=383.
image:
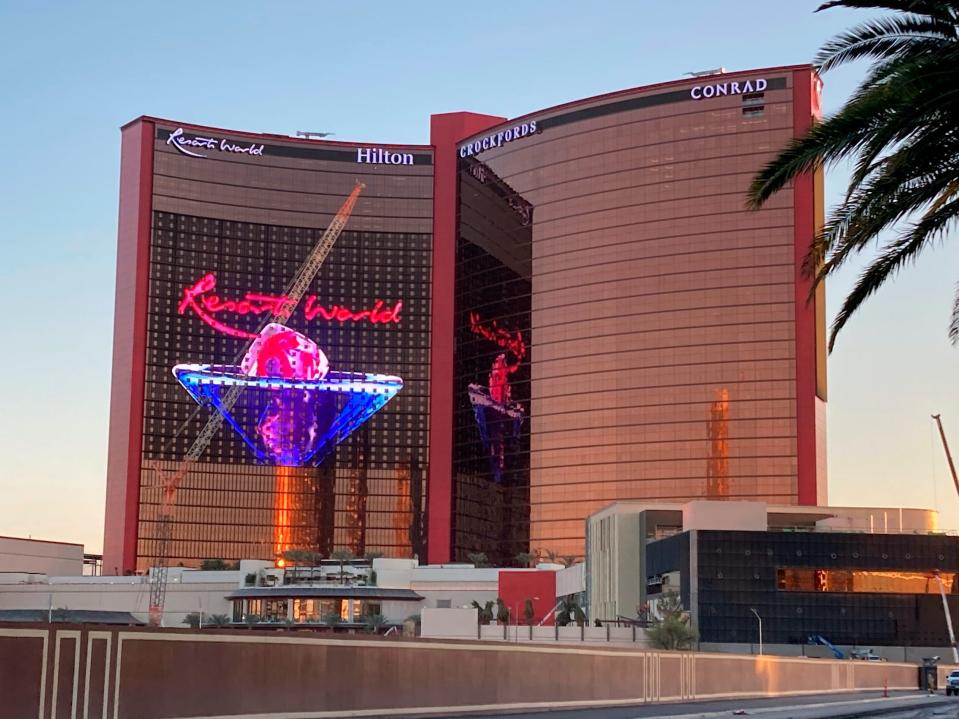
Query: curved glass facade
x=577, y=305
x=658, y=315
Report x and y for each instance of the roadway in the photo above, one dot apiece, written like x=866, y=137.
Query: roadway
x=899, y=705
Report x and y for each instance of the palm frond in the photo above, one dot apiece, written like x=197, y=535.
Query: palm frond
x=885, y=38
x=936, y=8
x=829, y=141
x=901, y=129
x=954, y=321
x=894, y=255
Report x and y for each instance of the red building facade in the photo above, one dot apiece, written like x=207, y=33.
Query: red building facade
x=588, y=314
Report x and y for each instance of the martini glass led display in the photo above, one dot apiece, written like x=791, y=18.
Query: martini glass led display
x=292, y=410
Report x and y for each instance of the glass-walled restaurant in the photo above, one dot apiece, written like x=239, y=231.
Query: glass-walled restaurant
x=329, y=606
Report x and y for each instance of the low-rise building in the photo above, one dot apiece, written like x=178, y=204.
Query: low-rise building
x=834, y=576
x=38, y=556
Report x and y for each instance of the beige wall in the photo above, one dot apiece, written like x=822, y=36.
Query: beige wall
x=39, y=557
x=275, y=675
x=120, y=594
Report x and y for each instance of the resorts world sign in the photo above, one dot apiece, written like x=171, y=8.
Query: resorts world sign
x=183, y=143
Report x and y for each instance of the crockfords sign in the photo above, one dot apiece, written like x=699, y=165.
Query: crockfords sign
x=704, y=92
x=499, y=138
x=191, y=145
x=379, y=156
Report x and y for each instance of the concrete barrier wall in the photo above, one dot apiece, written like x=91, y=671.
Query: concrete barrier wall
x=66, y=671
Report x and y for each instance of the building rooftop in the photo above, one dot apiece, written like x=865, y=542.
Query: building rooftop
x=69, y=616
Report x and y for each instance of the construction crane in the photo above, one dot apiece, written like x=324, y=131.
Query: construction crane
x=942, y=588
x=945, y=445
x=170, y=481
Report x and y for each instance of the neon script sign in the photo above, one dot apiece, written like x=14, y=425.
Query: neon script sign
x=512, y=341
x=201, y=299
x=181, y=142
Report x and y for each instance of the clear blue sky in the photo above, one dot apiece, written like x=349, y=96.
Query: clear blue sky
x=74, y=72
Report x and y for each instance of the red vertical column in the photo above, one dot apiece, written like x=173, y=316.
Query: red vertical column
x=129, y=348
x=446, y=131
x=805, y=109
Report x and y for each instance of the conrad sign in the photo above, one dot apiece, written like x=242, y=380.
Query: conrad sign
x=733, y=87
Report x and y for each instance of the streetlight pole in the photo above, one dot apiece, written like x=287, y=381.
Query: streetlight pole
x=760, y=620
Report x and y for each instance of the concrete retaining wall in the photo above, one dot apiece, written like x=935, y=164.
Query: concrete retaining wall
x=64, y=671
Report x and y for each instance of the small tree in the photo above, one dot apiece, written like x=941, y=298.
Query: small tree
x=478, y=559
x=484, y=614
x=213, y=565
x=568, y=561
x=529, y=612
x=502, y=611
x=570, y=612
x=332, y=619
x=525, y=559
x=193, y=620
x=218, y=620
x=671, y=629
x=374, y=623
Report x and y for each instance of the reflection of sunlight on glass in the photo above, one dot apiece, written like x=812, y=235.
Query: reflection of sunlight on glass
x=800, y=579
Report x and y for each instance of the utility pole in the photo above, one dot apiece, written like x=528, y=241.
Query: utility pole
x=760, y=620
x=945, y=610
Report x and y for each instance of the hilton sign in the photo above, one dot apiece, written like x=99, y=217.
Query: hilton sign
x=379, y=156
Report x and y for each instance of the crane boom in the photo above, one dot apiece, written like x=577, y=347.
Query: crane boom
x=945, y=445
x=171, y=481
x=942, y=589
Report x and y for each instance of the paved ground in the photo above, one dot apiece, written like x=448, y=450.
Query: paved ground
x=900, y=705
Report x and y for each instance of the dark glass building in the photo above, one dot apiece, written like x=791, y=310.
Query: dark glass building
x=851, y=589
x=579, y=307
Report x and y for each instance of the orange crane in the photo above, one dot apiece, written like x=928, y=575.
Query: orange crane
x=170, y=481
x=942, y=588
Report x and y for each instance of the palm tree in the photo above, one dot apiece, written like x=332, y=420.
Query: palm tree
x=569, y=612
x=901, y=127
x=478, y=559
x=484, y=613
x=373, y=623
x=525, y=559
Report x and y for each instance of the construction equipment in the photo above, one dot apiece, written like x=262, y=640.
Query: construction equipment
x=819, y=639
x=945, y=445
x=942, y=589
x=170, y=481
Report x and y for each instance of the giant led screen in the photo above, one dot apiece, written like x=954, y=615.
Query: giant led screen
x=320, y=391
